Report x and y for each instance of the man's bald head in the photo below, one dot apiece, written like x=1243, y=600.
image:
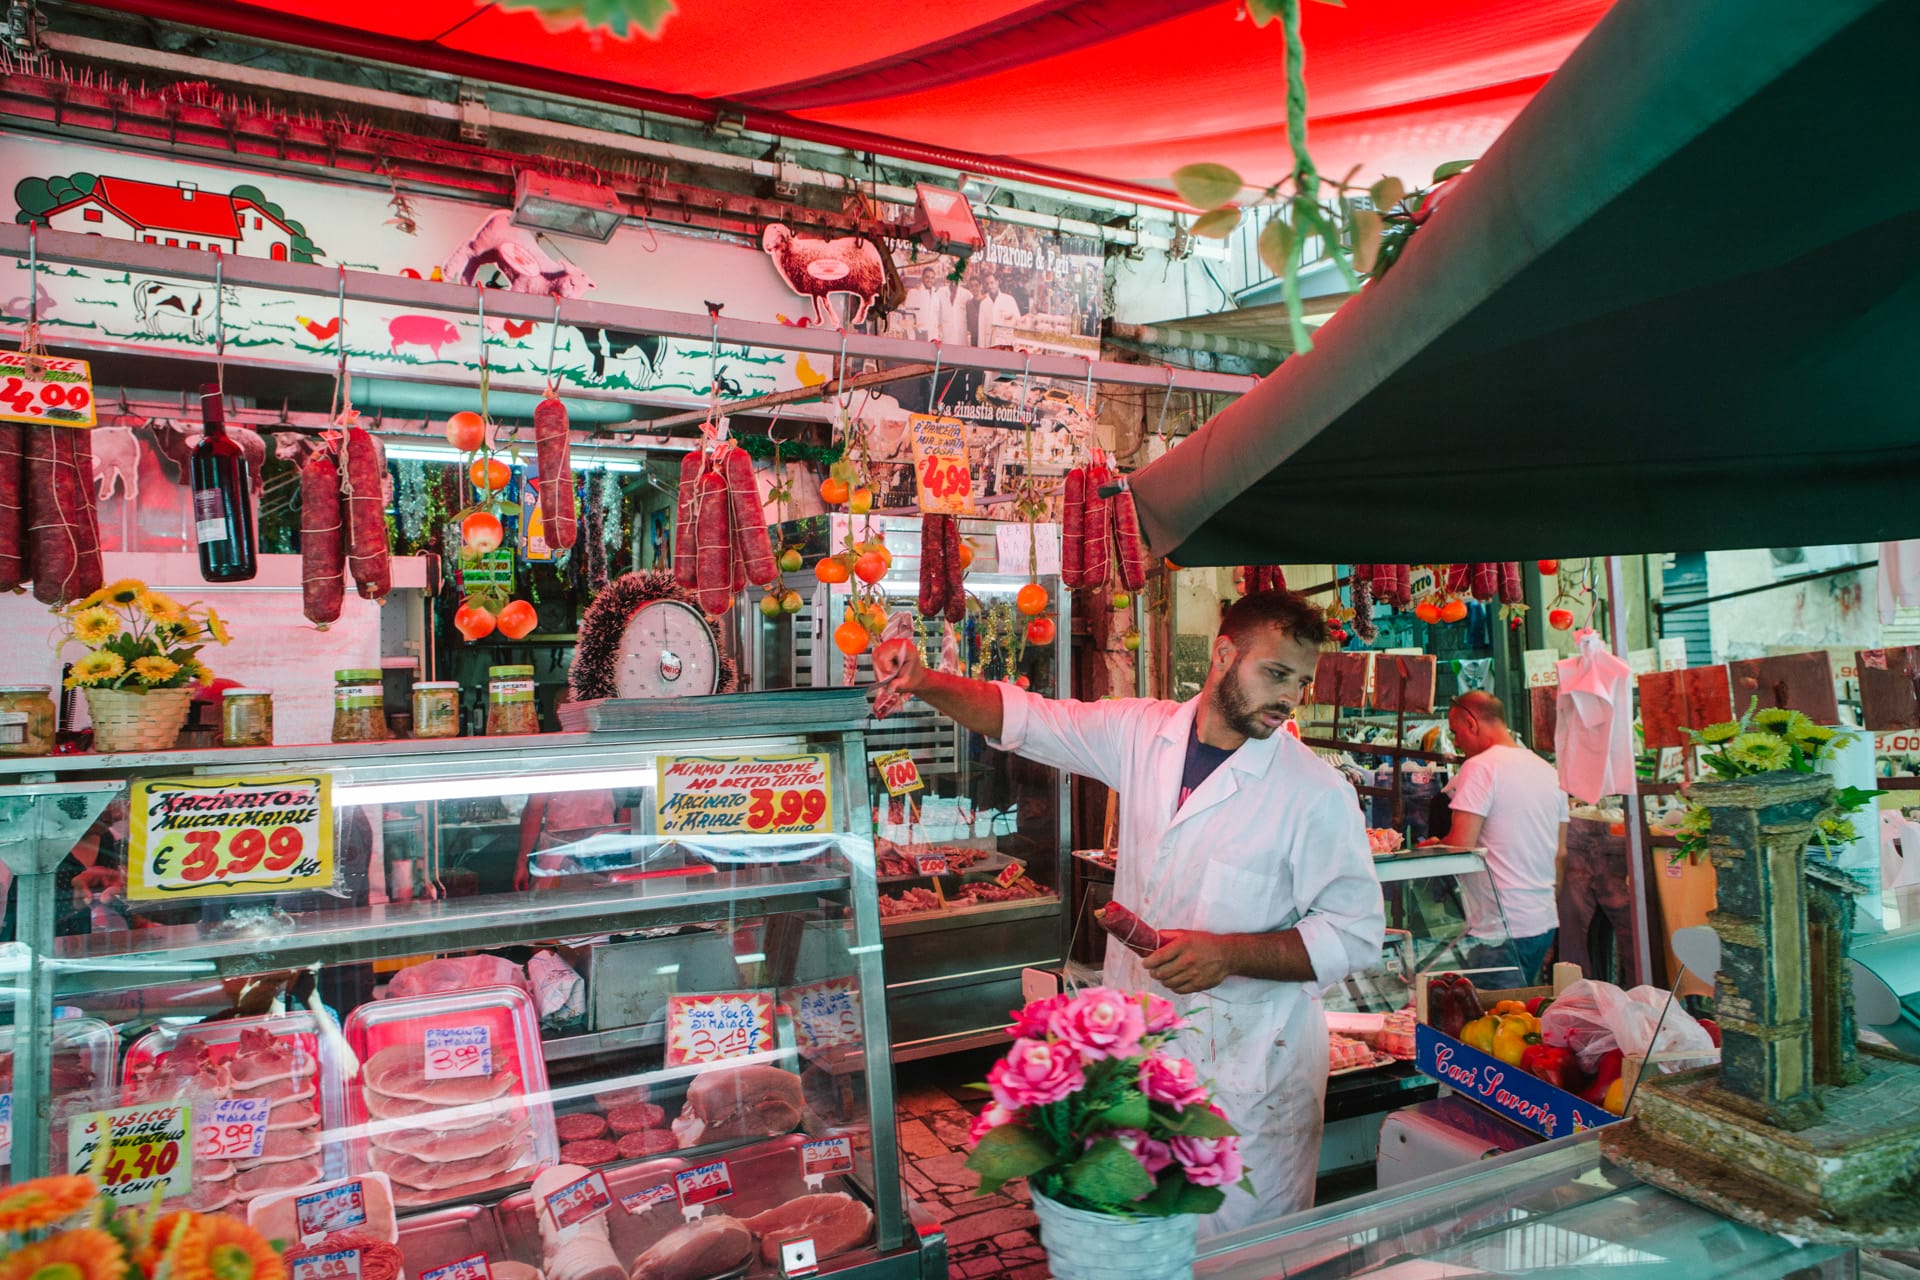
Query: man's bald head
x=1478, y=720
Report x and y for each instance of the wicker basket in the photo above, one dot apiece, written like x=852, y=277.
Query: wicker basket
x=124, y=720
x=1096, y=1246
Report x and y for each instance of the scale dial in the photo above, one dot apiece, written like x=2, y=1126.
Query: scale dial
x=667, y=650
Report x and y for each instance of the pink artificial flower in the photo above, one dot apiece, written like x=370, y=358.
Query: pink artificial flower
x=1100, y=1023
x=1031, y=1022
x=1035, y=1073
x=1152, y=1154
x=992, y=1118
x=1161, y=1016
x=1209, y=1162
x=1171, y=1080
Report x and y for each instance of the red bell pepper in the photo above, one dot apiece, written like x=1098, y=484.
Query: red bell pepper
x=1605, y=1072
x=1712, y=1029
x=1557, y=1066
x=1451, y=1003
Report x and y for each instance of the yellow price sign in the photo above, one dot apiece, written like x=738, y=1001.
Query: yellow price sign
x=898, y=773
x=744, y=795
x=940, y=466
x=45, y=390
x=206, y=837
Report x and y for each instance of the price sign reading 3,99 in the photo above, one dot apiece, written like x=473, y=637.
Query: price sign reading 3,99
x=199, y=837
x=453, y=1052
x=236, y=1129
x=744, y=795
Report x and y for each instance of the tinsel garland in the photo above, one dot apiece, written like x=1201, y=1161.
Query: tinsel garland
x=760, y=448
x=597, y=652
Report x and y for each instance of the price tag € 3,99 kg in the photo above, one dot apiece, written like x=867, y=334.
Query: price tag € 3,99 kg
x=898, y=772
x=453, y=1052
x=201, y=837
x=236, y=1129
x=45, y=391
x=744, y=795
x=940, y=465
x=138, y=1149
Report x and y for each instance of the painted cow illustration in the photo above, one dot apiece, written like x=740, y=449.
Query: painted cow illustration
x=604, y=345
x=162, y=304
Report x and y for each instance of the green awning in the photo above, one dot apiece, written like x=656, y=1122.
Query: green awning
x=1675, y=307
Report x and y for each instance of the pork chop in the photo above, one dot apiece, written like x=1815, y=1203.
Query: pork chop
x=709, y=1246
x=434, y=1175
x=399, y=1071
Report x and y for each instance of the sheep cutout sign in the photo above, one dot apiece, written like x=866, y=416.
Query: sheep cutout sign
x=818, y=269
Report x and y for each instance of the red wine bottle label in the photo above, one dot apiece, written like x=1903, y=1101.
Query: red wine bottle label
x=209, y=516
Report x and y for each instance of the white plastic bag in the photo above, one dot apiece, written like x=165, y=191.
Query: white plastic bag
x=1592, y=1017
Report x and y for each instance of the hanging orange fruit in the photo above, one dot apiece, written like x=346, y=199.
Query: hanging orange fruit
x=1031, y=600
x=467, y=431
x=481, y=532
x=850, y=637
x=517, y=619
x=833, y=491
x=472, y=621
x=860, y=501
x=489, y=474
x=1040, y=631
x=1427, y=611
x=870, y=568
x=966, y=555
x=790, y=560
x=831, y=570
x=1453, y=611
x=1549, y=567
x=1560, y=619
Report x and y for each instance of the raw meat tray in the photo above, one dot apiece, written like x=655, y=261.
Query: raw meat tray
x=80, y=1046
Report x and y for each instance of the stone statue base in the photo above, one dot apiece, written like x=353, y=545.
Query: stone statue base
x=1852, y=1177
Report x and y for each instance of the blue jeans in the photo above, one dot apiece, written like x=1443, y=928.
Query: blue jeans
x=1521, y=958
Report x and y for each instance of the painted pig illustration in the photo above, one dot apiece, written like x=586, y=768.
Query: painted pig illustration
x=422, y=331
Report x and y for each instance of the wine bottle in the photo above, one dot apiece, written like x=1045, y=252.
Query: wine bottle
x=222, y=498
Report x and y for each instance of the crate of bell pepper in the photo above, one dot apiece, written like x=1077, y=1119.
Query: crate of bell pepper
x=1486, y=1045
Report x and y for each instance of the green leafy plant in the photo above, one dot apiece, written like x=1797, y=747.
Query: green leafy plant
x=620, y=17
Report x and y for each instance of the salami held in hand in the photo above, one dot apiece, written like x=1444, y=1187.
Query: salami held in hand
x=1135, y=934
x=551, y=438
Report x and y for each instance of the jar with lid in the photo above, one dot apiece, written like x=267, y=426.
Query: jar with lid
x=359, y=706
x=436, y=709
x=26, y=719
x=510, y=704
x=246, y=717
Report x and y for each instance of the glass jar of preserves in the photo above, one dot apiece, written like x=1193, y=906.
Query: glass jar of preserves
x=510, y=704
x=436, y=709
x=26, y=719
x=246, y=717
x=359, y=706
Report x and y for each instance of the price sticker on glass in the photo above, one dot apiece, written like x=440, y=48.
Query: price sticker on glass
x=338, y=1264
x=235, y=1129
x=139, y=1150
x=705, y=1184
x=940, y=466
x=229, y=837
x=45, y=390
x=898, y=773
x=453, y=1052
x=744, y=795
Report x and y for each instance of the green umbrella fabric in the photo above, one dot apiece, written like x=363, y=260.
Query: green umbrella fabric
x=1676, y=307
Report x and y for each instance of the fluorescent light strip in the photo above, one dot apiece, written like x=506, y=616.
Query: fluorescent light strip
x=481, y=788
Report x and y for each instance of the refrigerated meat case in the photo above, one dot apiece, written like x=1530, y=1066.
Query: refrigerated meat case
x=953, y=965
x=637, y=918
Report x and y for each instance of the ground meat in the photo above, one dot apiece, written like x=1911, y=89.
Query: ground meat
x=592, y=1151
x=580, y=1126
x=636, y=1118
x=615, y=1098
x=648, y=1142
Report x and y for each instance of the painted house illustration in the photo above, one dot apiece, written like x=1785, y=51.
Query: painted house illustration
x=180, y=216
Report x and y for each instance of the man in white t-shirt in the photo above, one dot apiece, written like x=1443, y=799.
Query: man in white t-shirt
x=1507, y=801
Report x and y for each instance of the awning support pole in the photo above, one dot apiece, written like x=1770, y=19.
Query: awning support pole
x=1636, y=828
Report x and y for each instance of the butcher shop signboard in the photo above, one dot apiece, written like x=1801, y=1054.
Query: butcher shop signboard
x=229, y=837
x=745, y=795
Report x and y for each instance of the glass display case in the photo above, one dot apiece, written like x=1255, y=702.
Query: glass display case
x=512, y=1015
x=1559, y=1209
x=972, y=865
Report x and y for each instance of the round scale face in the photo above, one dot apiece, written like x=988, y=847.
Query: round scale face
x=666, y=651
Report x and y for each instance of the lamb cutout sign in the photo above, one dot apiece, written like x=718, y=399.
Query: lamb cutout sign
x=819, y=269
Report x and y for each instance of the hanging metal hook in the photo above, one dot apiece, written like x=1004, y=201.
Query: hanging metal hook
x=33, y=277
x=841, y=395
x=933, y=383
x=774, y=425
x=553, y=339
x=342, y=389
x=1166, y=398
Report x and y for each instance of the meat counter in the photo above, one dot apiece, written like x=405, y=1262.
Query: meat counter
x=508, y=1018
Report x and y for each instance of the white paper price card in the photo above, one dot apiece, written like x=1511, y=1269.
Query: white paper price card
x=235, y=1129
x=646, y=1198
x=473, y=1267
x=453, y=1052
x=138, y=1150
x=720, y=1024
x=1032, y=554
x=898, y=773
x=226, y=837
x=330, y=1209
x=45, y=390
x=580, y=1200
x=826, y=1013
x=930, y=864
x=825, y=1156
x=336, y=1264
x=705, y=1184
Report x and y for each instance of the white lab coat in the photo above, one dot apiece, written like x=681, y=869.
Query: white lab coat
x=950, y=303
x=998, y=314
x=1272, y=840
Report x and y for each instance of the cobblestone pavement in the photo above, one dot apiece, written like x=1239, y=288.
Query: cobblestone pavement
x=992, y=1235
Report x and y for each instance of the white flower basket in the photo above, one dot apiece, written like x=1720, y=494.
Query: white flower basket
x=1097, y=1246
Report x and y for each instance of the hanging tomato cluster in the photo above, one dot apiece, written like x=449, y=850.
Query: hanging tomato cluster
x=482, y=531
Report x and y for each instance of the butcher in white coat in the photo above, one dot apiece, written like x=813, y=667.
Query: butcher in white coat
x=1240, y=845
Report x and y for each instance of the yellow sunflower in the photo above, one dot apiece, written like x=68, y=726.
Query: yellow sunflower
x=1775, y=718
x=1761, y=752
x=96, y=668
x=124, y=592
x=43, y=1202
x=1720, y=732
x=217, y=1247
x=1811, y=734
x=158, y=608
x=155, y=670
x=172, y=631
x=217, y=629
x=91, y=626
x=196, y=670
x=85, y=1253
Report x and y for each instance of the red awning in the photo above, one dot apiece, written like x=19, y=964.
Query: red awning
x=1121, y=90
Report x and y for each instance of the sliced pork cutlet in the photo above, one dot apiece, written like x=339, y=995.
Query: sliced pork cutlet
x=434, y=1175
x=430, y=1142
x=292, y=1113
x=400, y=1071
x=416, y=1197
x=262, y=1058
x=282, y=1175
x=283, y=1145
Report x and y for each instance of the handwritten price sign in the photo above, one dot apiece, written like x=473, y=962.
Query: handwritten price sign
x=45, y=391
x=330, y=1209
x=1010, y=874
x=453, y=1052
x=339, y=1264
x=138, y=1149
x=579, y=1201
x=646, y=1198
x=744, y=795
x=826, y=1013
x=704, y=1185
x=898, y=773
x=721, y=1024
x=236, y=1130
x=469, y=1268
x=202, y=837
x=940, y=465
x=826, y=1156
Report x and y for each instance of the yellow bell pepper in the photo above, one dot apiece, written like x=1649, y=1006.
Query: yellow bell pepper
x=1616, y=1099
x=1511, y=1036
x=1478, y=1034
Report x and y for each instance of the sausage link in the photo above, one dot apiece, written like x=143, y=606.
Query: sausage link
x=13, y=507
x=754, y=547
x=555, y=452
x=686, y=555
x=323, y=550
x=956, y=572
x=933, y=566
x=1098, y=546
x=1127, y=546
x=1459, y=579
x=369, y=558
x=1512, y=590
x=1129, y=929
x=713, y=542
x=1486, y=580
x=1073, y=526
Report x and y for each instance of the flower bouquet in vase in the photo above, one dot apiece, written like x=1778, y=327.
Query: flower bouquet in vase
x=61, y=1228
x=140, y=662
x=1120, y=1143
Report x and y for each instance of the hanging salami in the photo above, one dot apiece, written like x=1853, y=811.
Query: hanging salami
x=686, y=557
x=1073, y=530
x=933, y=566
x=753, y=548
x=323, y=551
x=13, y=507
x=1512, y=590
x=713, y=545
x=956, y=567
x=369, y=558
x=1486, y=580
x=1459, y=579
x=1128, y=549
x=1097, y=542
x=555, y=452
x=63, y=543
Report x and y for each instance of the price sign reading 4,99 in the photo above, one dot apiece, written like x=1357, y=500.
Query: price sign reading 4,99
x=744, y=795
x=720, y=1024
x=898, y=772
x=453, y=1052
x=138, y=1150
x=200, y=837
x=45, y=391
x=940, y=465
